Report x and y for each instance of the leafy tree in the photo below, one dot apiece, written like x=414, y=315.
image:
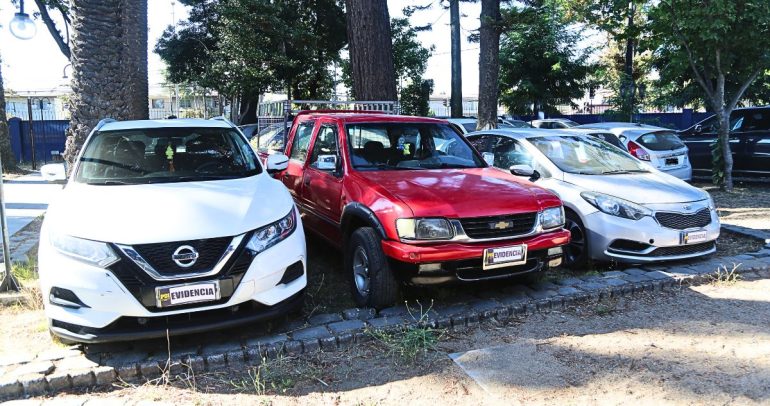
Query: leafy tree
x=624, y=21
x=721, y=41
x=539, y=65
x=109, y=65
x=415, y=98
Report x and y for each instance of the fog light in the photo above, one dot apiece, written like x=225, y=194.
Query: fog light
x=554, y=251
x=65, y=298
x=429, y=268
x=554, y=262
x=142, y=321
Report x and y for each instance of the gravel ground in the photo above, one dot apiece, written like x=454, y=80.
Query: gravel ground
x=747, y=206
x=702, y=345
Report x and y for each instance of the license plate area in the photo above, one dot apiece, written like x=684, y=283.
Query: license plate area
x=672, y=161
x=693, y=237
x=505, y=256
x=177, y=295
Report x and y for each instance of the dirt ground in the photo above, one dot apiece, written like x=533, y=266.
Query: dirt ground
x=700, y=345
x=747, y=206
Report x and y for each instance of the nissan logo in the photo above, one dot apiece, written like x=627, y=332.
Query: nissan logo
x=185, y=256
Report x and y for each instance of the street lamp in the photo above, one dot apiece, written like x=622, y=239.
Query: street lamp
x=22, y=27
x=64, y=71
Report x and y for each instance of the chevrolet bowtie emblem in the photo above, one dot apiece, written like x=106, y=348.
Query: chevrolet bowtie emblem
x=502, y=225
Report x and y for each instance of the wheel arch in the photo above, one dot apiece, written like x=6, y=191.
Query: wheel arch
x=356, y=215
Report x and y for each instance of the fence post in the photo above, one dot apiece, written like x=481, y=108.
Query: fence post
x=32, y=132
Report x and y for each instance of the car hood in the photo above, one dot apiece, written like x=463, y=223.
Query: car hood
x=459, y=193
x=642, y=188
x=164, y=212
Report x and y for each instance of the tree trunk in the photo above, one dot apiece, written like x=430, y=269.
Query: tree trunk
x=109, y=66
x=628, y=70
x=457, y=76
x=489, y=64
x=9, y=161
x=727, y=154
x=371, y=50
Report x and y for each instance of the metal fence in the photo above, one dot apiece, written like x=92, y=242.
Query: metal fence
x=277, y=112
x=44, y=145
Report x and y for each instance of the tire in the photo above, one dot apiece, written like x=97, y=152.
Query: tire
x=576, y=252
x=372, y=282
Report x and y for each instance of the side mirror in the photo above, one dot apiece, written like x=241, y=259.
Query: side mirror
x=522, y=170
x=276, y=163
x=326, y=163
x=53, y=173
x=489, y=158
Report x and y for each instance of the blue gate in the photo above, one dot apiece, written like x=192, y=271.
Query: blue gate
x=50, y=136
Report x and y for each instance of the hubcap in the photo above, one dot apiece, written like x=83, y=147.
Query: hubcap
x=361, y=271
x=577, y=244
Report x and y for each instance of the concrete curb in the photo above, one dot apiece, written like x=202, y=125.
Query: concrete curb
x=63, y=370
x=760, y=235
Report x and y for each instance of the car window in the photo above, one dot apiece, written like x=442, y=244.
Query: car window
x=325, y=143
x=660, y=141
x=270, y=139
x=711, y=125
x=480, y=142
x=301, y=141
x=469, y=127
x=610, y=138
x=755, y=120
x=162, y=155
x=586, y=155
x=508, y=152
x=399, y=145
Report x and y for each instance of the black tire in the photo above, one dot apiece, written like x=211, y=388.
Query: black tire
x=576, y=252
x=372, y=282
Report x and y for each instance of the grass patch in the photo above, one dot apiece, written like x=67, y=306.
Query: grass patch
x=409, y=342
x=726, y=276
x=277, y=376
x=25, y=271
x=605, y=309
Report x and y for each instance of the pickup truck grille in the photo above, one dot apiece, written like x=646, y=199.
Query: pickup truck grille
x=510, y=225
x=679, y=221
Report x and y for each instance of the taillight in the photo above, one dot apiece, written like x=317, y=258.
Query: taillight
x=637, y=151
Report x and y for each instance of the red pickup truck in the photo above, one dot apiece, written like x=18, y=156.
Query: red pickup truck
x=407, y=199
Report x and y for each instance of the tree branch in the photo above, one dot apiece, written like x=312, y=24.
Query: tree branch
x=738, y=95
x=55, y=33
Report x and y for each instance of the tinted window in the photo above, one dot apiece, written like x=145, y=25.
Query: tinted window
x=325, y=143
x=610, y=138
x=302, y=141
x=660, y=141
x=756, y=120
x=158, y=155
x=379, y=146
x=508, y=152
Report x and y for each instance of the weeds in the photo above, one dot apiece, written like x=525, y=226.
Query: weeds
x=605, y=309
x=723, y=277
x=411, y=341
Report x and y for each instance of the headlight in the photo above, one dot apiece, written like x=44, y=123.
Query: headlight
x=616, y=206
x=92, y=252
x=552, y=218
x=424, y=229
x=273, y=233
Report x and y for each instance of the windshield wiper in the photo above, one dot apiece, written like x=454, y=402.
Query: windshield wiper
x=623, y=171
x=109, y=183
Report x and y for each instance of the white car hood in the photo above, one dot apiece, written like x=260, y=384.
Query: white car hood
x=165, y=212
x=642, y=188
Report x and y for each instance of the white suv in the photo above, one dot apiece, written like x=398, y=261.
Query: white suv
x=169, y=225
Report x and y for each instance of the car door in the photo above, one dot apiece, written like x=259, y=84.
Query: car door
x=298, y=150
x=753, y=137
x=322, y=188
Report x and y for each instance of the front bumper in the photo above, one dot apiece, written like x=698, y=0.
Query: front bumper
x=462, y=262
x=125, y=292
x=613, y=238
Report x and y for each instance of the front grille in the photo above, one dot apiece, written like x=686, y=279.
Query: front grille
x=680, y=221
x=682, y=250
x=499, y=226
x=158, y=255
x=472, y=269
x=628, y=246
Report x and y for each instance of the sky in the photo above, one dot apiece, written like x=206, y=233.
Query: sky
x=37, y=64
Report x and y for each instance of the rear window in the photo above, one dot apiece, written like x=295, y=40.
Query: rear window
x=660, y=141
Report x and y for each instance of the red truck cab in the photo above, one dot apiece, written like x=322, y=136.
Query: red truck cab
x=407, y=199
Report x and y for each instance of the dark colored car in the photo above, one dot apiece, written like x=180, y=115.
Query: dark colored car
x=749, y=142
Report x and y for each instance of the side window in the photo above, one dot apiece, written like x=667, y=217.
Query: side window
x=508, y=152
x=301, y=141
x=325, y=143
x=480, y=143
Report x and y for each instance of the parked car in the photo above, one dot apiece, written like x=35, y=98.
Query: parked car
x=466, y=125
x=603, y=135
x=408, y=199
x=554, y=123
x=659, y=146
x=617, y=208
x=169, y=226
x=749, y=142
x=271, y=139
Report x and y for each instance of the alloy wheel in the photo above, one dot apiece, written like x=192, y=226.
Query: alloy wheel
x=361, y=271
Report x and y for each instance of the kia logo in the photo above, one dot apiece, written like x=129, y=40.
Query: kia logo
x=185, y=256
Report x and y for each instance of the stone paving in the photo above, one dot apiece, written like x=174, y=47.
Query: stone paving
x=67, y=369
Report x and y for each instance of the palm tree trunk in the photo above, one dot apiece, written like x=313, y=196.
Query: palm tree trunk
x=109, y=66
x=9, y=161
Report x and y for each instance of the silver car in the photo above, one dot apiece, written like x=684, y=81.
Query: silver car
x=659, y=146
x=554, y=123
x=617, y=207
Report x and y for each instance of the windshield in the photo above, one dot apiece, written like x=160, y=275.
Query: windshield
x=159, y=155
x=270, y=139
x=515, y=124
x=382, y=146
x=586, y=156
x=660, y=141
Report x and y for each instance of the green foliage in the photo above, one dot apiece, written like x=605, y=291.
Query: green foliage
x=539, y=63
x=718, y=45
x=246, y=47
x=415, y=98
